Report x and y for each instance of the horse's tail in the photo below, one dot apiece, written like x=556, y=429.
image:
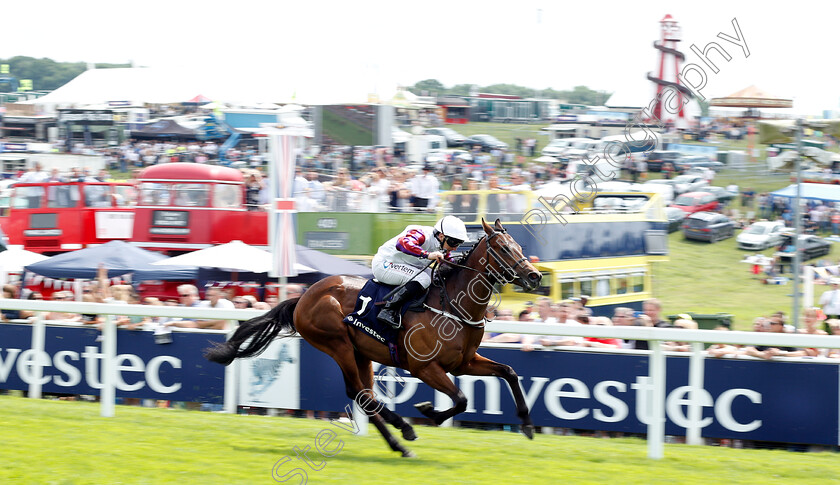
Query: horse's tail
x=261, y=330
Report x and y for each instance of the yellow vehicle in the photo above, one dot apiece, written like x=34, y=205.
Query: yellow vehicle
x=603, y=247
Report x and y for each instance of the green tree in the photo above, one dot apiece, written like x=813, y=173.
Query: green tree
x=428, y=87
x=46, y=74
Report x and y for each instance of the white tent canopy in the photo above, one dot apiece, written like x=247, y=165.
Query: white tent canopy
x=233, y=256
x=168, y=86
x=15, y=258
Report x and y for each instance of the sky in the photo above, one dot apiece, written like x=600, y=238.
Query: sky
x=376, y=45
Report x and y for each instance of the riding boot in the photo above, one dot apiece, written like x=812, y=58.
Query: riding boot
x=391, y=313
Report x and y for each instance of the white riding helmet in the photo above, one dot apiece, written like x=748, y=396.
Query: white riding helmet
x=451, y=226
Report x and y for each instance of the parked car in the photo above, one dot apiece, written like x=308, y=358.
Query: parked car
x=708, y=226
x=689, y=183
x=684, y=164
x=486, y=142
x=657, y=157
x=675, y=217
x=448, y=156
x=761, y=235
x=666, y=191
x=692, y=202
x=723, y=196
x=570, y=147
x=453, y=138
x=810, y=247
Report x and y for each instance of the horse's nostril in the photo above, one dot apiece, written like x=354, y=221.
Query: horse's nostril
x=535, y=276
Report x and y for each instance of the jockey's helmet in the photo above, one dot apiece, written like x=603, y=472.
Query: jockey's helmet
x=452, y=228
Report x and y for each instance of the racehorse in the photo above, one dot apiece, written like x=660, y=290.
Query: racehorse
x=430, y=344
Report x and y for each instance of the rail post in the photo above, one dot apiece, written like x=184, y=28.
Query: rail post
x=695, y=382
x=109, y=361
x=656, y=426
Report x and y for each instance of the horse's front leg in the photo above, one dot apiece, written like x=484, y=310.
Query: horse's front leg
x=434, y=375
x=482, y=366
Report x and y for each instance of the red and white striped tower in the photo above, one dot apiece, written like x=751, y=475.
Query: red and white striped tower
x=668, y=76
x=281, y=169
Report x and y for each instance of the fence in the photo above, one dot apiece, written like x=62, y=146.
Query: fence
x=694, y=397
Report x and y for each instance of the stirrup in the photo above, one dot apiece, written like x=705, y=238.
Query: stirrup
x=395, y=322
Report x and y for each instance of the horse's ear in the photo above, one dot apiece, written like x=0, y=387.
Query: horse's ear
x=487, y=228
x=498, y=226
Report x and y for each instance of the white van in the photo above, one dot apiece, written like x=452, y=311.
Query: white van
x=601, y=171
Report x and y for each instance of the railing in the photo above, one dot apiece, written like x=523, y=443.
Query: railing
x=656, y=428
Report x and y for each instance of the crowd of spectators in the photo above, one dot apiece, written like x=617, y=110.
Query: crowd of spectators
x=574, y=312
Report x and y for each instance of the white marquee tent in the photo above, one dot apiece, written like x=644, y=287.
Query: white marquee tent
x=167, y=86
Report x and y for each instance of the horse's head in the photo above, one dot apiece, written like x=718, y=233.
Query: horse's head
x=505, y=258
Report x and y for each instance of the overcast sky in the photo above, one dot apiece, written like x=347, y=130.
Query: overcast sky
x=604, y=45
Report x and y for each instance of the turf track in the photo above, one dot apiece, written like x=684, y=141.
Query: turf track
x=67, y=442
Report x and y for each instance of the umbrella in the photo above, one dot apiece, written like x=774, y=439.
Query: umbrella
x=198, y=99
x=329, y=264
x=234, y=256
x=118, y=257
x=15, y=258
x=546, y=159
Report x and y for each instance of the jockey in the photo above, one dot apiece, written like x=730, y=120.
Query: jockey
x=401, y=257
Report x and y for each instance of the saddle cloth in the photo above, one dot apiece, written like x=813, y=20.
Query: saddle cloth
x=364, y=314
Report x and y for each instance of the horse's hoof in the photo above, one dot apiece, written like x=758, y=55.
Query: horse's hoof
x=528, y=430
x=408, y=433
x=408, y=454
x=426, y=408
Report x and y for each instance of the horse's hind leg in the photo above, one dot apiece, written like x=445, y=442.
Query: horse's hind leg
x=482, y=366
x=366, y=374
x=434, y=375
x=343, y=355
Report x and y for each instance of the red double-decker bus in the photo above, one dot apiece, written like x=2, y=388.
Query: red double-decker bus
x=55, y=217
x=186, y=206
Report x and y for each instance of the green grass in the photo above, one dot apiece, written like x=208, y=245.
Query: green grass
x=66, y=442
x=708, y=278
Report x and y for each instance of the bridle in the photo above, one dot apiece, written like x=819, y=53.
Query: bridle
x=493, y=256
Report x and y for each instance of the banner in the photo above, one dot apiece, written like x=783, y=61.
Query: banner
x=272, y=379
x=72, y=363
x=788, y=402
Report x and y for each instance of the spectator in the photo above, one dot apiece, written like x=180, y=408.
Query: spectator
x=63, y=316
x=601, y=343
x=684, y=323
x=10, y=292
x=653, y=309
x=830, y=300
x=776, y=325
x=722, y=350
x=563, y=315
x=811, y=319
x=505, y=315
x=293, y=291
x=215, y=300
x=272, y=300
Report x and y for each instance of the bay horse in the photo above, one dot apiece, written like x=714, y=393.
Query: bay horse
x=430, y=344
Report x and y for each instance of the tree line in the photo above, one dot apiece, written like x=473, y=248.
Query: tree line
x=46, y=74
x=576, y=95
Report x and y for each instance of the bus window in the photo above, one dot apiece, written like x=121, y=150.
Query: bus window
x=496, y=206
x=567, y=289
x=621, y=285
x=155, y=194
x=191, y=195
x=586, y=286
x=637, y=282
x=227, y=196
x=602, y=286
x=97, y=196
x=28, y=197
x=62, y=196
x=125, y=195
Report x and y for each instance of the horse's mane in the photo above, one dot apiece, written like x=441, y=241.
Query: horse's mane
x=447, y=272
